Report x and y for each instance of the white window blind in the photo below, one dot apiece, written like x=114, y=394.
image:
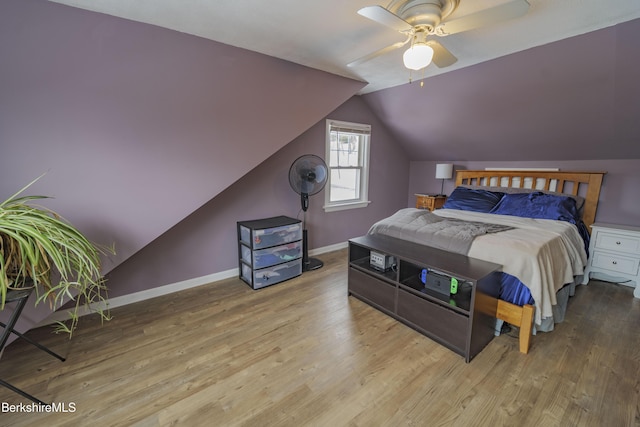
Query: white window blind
x=348, y=161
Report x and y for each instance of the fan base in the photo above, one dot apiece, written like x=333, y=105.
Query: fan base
x=312, y=264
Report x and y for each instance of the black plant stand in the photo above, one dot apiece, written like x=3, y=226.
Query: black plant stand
x=20, y=296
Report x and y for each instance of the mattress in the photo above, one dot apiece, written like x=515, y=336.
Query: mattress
x=543, y=254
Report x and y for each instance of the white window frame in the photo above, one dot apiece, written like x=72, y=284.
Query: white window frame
x=363, y=200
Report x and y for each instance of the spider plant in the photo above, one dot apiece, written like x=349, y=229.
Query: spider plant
x=40, y=249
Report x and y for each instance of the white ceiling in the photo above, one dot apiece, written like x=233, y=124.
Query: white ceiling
x=328, y=34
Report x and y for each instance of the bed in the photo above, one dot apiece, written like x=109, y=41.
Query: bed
x=536, y=224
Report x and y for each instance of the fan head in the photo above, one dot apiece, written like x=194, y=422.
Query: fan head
x=424, y=18
x=425, y=13
x=308, y=176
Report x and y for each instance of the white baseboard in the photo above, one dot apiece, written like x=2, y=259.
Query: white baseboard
x=62, y=315
x=329, y=248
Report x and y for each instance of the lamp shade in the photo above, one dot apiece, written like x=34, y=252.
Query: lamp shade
x=418, y=56
x=444, y=171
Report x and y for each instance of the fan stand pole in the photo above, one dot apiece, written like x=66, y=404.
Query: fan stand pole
x=308, y=264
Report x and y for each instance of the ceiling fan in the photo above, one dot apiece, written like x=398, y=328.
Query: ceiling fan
x=419, y=19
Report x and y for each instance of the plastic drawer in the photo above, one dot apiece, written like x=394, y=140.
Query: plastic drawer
x=271, y=275
x=274, y=236
x=262, y=258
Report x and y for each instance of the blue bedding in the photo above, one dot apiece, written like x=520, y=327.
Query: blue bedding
x=476, y=200
x=535, y=204
x=514, y=291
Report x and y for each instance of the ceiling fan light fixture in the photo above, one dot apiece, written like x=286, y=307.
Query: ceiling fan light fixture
x=418, y=56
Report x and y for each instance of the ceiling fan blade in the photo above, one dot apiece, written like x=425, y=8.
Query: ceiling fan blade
x=382, y=16
x=377, y=53
x=493, y=15
x=441, y=55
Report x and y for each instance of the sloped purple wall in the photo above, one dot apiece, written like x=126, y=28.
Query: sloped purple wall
x=574, y=99
x=206, y=241
x=138, y=126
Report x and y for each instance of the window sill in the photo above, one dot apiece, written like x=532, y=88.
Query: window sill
x=345, y=206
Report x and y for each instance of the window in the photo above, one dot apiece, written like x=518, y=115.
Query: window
x=348, y=162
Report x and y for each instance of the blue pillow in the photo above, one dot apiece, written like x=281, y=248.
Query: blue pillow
x=538, y=205
x=470, y=199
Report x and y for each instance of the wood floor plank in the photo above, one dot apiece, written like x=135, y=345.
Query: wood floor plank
x=304, y=353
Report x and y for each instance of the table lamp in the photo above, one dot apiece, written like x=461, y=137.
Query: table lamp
x=444, y=171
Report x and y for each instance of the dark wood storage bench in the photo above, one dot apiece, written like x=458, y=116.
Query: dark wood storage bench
x=462, y=321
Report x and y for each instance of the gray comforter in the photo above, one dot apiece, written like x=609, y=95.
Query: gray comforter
x=424, y=227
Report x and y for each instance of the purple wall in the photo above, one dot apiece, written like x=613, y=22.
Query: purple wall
x=619, y=203
x=138, y=126
x=206, y=241
x=575, y=99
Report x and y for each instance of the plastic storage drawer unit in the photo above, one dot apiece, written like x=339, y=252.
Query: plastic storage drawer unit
x=269, y=250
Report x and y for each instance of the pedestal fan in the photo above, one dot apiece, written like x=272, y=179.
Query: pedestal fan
x=307, y=176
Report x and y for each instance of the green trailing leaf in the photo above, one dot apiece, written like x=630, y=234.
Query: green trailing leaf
x=39, y=248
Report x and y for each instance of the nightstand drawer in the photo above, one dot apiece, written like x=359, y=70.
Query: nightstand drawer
x=424, y=201
x=615, y=263
x=618, y=243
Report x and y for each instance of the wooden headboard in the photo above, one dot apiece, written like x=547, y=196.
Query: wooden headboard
x=584, y=184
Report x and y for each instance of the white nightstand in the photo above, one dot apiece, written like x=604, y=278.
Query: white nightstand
x=614, y=252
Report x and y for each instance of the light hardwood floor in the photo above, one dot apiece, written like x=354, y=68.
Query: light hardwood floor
x=302, y=353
